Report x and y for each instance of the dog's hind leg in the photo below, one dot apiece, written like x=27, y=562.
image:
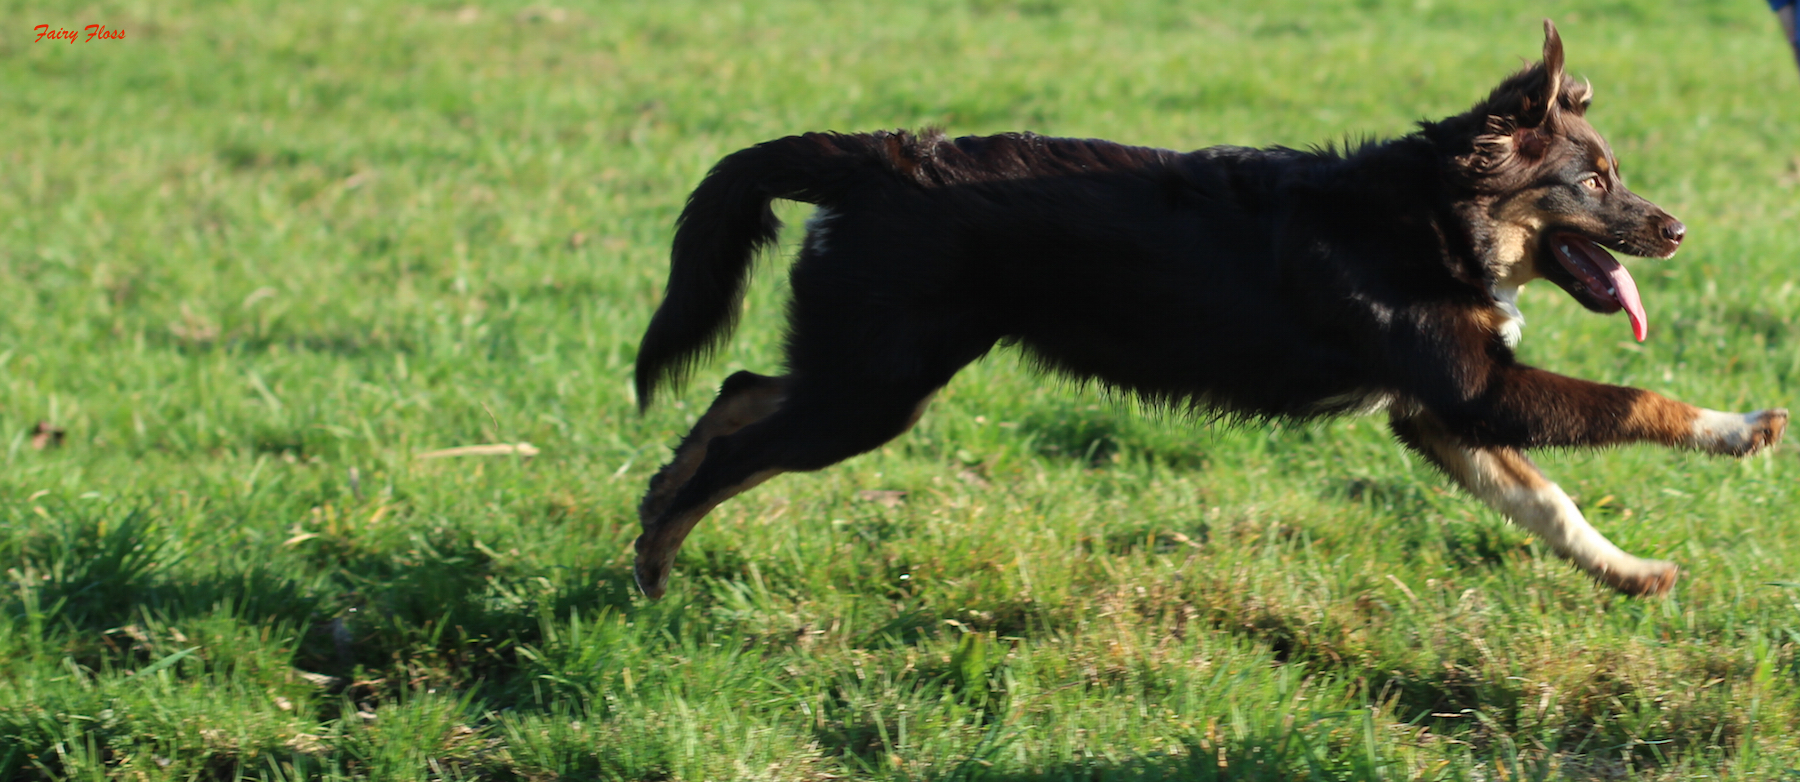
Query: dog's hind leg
x=1508, y=482
x=813, y=426
x=744, y=398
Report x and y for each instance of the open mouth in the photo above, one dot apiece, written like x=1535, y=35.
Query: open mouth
x=1608, y=286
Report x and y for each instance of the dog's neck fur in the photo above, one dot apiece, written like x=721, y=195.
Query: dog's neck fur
x=1497, y=260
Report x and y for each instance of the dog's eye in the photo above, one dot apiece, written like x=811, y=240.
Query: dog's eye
x=1594, y=183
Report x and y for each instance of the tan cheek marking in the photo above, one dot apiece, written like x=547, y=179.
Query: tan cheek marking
x=1511, y=249
x=1515, y=241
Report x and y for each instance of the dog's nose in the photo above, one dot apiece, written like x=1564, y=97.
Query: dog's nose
x=1673, y=230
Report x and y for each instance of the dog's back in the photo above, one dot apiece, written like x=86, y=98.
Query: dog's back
x=1104, y=260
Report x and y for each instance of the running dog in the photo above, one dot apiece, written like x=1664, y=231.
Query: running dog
x=1260, y=283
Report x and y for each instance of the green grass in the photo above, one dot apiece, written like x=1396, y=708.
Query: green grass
x=254, y=258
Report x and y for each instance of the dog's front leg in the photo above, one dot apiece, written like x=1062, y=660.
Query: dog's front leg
x=1518, y=406
x=1508, y=482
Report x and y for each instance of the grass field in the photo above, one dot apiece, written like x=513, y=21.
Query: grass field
x=256, y=257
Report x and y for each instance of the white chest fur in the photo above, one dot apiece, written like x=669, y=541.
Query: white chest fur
x=1512, y=322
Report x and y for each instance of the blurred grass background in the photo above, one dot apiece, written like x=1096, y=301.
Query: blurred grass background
x=255, y=257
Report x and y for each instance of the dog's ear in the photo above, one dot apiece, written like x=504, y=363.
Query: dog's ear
x=1562, y=93
x=1519, y=118
x=1553, y=67
x=1530, y=98
x=1538, y=107
x=1542, y=84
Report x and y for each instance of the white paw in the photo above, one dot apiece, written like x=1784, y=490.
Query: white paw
x=1739, y=434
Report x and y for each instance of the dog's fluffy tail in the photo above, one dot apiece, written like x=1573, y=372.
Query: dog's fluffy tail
x=726, y=220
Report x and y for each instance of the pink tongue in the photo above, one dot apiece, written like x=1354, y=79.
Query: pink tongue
x=1590, y=264
x=1626, y=292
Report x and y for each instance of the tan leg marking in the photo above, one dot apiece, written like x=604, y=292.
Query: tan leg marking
x=727, y=414
x=1659, y=419
x=1508, y=482
x=656, y=548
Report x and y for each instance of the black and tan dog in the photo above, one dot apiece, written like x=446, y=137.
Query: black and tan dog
x=1261, y=283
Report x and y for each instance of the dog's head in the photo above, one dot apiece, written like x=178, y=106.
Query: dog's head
x=1548, y=188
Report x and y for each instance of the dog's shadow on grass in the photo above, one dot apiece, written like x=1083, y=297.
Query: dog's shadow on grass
x=1096, y=435
x=98, y=583
x=1259, y=756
